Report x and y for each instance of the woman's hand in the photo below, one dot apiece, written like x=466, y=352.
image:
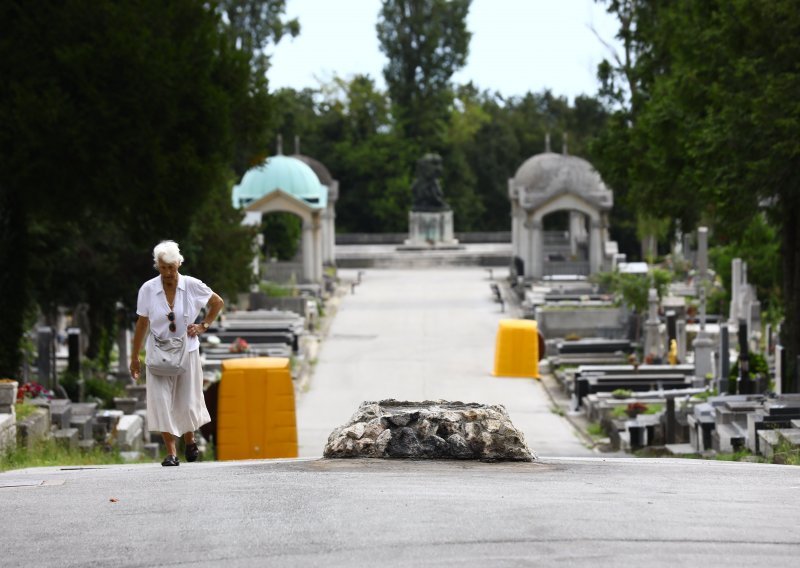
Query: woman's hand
x=135, y=369
x=194, y=330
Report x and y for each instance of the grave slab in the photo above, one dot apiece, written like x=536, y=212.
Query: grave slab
x=84, y=424
x=66, y=437
x=129, y=432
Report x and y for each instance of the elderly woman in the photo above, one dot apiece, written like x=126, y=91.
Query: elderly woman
x=166, y=305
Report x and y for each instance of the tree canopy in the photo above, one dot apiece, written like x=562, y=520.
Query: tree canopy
x=121, y=122
x=707, y=124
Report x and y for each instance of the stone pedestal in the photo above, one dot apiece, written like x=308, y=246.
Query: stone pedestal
x=703, y=355
x=429, y=230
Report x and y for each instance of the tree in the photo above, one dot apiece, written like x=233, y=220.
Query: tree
x=426, y=41
x=118, y=121
x=715, y=129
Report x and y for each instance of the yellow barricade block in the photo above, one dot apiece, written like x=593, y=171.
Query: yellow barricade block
x=516, y=352
x=255, y=410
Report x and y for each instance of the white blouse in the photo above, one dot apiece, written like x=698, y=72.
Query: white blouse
x=152, y=304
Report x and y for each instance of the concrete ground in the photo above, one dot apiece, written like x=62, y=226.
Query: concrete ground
x=422, y=335
x=428, y=334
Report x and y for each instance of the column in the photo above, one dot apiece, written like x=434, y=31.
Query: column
x=576, y=231
x=308, y=251
x=535, y=262
x=516, y=230
x=595, y=247
x=317, y=236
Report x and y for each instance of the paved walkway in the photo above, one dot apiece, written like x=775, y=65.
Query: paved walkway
x=422, y=334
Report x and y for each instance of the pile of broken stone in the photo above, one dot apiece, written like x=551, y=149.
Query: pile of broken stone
x=429, y=430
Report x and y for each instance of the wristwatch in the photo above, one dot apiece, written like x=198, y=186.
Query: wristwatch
x=204, y=325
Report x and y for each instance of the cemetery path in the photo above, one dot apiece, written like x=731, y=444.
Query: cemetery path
x=422, y=334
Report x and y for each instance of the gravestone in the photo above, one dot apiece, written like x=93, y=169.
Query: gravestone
x=74, y=350
x=745, y=384
x=44, y=361
x=672, y=329
x=780, y=366
x=724, y=367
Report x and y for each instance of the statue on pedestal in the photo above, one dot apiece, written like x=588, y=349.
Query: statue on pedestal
x=426, y=191
x=430, y=221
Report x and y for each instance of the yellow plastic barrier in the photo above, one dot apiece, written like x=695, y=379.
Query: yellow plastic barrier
x=255, y=412
x=516, y=352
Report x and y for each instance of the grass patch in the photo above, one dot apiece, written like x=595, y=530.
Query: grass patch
x=786, y=454
x=557, y=410
x=739, y=455
x=48, y=453
x=24, y=409
x=595, y=430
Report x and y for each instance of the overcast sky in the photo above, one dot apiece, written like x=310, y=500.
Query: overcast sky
x=517, y=45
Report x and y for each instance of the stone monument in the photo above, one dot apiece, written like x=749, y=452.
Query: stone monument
x=430, y=221
x=703, y=345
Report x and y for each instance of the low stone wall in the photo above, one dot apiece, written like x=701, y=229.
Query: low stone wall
x=429, y=430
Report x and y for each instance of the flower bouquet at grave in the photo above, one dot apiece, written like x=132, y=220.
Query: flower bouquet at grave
x=33, y=390
x=634, y=409
x=239, y=346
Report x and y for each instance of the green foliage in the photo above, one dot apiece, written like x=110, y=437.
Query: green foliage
x=758, y=366
x=425, y=42
x=274, y=290
x=595, y=430
x=24, y=409
x=281, y=235
x=103, y=390
x=786, y=453
x=120, y=122
x=759, y=247
x=706, y=126
x=48, y=453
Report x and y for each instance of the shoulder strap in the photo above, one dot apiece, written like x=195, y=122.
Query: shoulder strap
x=186, y=302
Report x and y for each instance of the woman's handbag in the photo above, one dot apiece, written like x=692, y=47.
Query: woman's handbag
x=166, y=356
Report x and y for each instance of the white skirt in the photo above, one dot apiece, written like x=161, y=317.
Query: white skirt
x=175, y=403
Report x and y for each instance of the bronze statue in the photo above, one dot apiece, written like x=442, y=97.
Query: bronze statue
x=426, y=191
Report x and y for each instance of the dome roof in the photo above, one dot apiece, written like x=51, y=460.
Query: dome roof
x=322, y=173
x=286, y=173
x=545, y=175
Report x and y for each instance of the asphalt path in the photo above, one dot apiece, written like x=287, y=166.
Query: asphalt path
x=422, y=334
x=315, y=512
x=410, y=336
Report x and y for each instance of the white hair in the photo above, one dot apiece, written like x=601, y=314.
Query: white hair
x=167, y=251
